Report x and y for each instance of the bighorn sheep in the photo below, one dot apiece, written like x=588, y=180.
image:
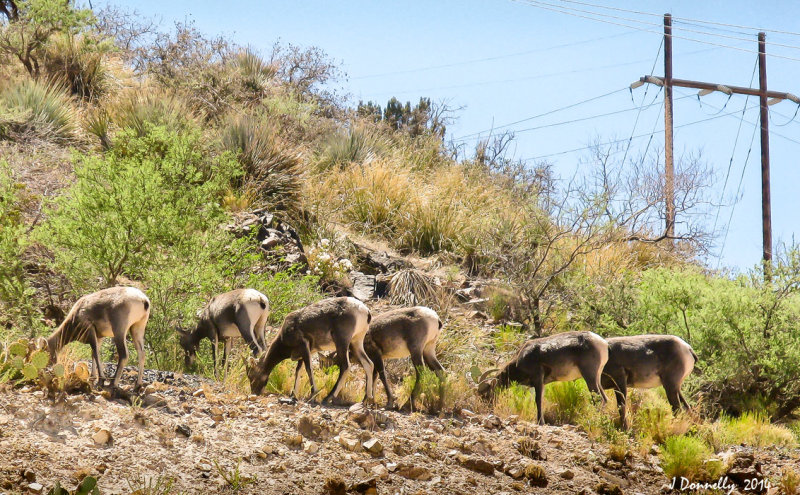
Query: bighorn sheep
x=238, y=312
x=338, y=323
x=400, y=333
x=562, y=357
x=106, y=313
x=647, y=361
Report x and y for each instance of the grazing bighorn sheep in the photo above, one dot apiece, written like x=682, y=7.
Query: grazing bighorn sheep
x=400, y=333
x=558, y=358
x=647, y=361
x=338, y=323
x=106, y=313
x=238, y=312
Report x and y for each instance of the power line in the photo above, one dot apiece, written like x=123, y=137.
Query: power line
x=738, y=188
x=733, y=151
x=635, y=137
x=489, y=59
x=549, y=112
x=639, y=112
x=582, y=119
x=738, y=26
x=527, y=78
x=541, y=5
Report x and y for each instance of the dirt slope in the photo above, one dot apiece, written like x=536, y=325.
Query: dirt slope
x=196, y=436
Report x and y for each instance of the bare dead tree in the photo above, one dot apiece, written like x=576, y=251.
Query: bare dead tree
x=635, y=197
x=553, y=232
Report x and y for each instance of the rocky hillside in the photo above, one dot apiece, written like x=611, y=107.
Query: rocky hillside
x=196, y=437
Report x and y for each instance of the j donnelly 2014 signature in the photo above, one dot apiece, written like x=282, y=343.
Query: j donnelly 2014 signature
x=723, y=484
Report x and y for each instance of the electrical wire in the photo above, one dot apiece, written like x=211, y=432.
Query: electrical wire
x=636, y=137
x=733, y=151
x=549, y=112
x=738, y=26
x=582, y=119
x=639, y=112
x=541, y=5
x=736, y=201
x=489, y=59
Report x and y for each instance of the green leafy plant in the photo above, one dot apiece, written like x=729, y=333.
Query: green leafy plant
x=689, y=457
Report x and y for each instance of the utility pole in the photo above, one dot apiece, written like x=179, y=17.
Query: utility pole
x=766, y=98
x=766, y=209
x=669, y=171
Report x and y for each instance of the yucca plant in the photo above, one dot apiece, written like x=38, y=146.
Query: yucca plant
x=355, y=145
x=80, y=62
x=271, y=172
x=97, y=123
x=36, y=109
x=256, y=73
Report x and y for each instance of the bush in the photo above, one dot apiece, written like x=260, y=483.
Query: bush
x=516, y=399
x=139, y=206
x=568, y=401
x=755, y=430
x=16, y=308
x=685, y=456
x=742, y=329
x=36, y=110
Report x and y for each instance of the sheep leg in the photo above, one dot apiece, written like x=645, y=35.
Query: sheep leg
x=429, y=355
x=137, y=334
x=380, y=370
x=226, y=349
x=538, y=386
x=357, y=348
x=417, y=361
x=296, y=388
x=673, y=395
x=122, y=350
x=214, y=344
x=683, y=401
x=343, y=361
x=97, y=371
x=591, y=374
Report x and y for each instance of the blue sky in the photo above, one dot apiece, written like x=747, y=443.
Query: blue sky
x=506, y=61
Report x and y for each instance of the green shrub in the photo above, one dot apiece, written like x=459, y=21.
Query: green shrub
x=568, y=400
x=16, y=308
x=685, y=456
x=755, y=430
x=743, y=330
x=36, y=110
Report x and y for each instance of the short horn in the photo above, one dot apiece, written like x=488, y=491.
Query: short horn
x=486, y=374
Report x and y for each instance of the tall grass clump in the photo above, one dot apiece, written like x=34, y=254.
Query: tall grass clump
x=36, y=110
x=756, y=430
x=80, y=62
x=689, y=457
x=567, y=402
x=431, y=225
x=374, y=195
x=516, y=400
x=153, y=108
x=271, y=172
x=358, y=144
